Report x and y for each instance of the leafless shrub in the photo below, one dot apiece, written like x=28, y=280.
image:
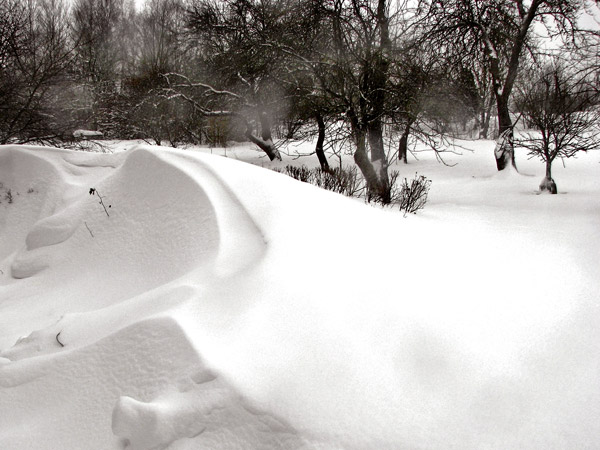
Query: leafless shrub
x=344, y=181
x=412, y=195
x=301, y=173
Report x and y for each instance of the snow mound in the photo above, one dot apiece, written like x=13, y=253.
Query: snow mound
x=137, y=199
x=88, y=381
x=166, y=217
x=171, y=395
x=219, y=305
x=33, y=181
x=203, y=411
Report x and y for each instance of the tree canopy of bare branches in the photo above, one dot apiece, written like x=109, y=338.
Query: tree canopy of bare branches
x=500, y=31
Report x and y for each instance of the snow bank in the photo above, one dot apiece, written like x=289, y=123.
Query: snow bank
x=87, y=134
x=219, y=305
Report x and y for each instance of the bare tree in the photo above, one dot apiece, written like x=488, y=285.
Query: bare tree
x=160, y=51
x=563, y=109
x=355, y=73
x=500, y=31
x=12, y=41
x=161, y=37
x=472, y=68
x=99, y=61
x=413, y=74
x=36, y=57
x=242, y=67
x=95, y=25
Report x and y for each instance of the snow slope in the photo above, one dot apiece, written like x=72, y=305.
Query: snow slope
x=221, y=305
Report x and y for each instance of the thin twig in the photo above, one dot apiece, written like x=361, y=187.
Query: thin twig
x=93, y=191
x=102, y=203
x=57, y=340
x=88, y=228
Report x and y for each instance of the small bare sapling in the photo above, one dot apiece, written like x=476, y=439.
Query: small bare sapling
x=93, y=191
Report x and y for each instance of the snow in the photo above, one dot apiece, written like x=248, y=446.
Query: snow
x=87, y=134
x=222, y=305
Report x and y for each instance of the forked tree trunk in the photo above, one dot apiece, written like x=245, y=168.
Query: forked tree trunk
x=503, y=83
x=361, y=158
x=370, y=171
x=265, y=142
x=375, y=172
x=548, y=183
x=366, y=111
x=320, y=141
x=375, y=78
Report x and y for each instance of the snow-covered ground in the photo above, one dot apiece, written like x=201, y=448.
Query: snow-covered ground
x=218, y=305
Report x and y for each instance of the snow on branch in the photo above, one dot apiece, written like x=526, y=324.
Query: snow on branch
x=187, y=83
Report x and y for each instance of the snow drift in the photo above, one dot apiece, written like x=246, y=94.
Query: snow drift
x=220, y=305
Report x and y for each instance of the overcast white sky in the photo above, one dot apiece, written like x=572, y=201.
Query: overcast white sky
x=591, y=18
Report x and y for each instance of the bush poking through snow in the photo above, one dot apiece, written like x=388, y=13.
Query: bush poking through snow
x=93, y=191
x=410, y=196
x=343, y=181
x=301, y=173
x=339, y=180
x=413, y=195
x=8, y=195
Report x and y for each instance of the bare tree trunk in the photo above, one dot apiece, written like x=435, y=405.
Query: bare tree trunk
x=375, y=78
x=320, y=141
x=378, y=157
x=548, y=183
x=376, y=187
x=265, y=143
x=506, y=157
x=486, y=114
x=403, y=148
x=403, y=145
x=361, y=158
x=505, y=150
